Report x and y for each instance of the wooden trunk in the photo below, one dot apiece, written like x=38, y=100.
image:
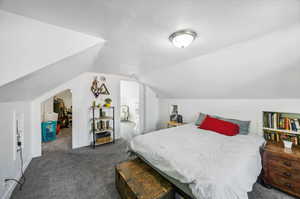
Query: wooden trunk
x=137, y=180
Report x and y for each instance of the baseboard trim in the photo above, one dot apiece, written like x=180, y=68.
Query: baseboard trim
x=12, y=185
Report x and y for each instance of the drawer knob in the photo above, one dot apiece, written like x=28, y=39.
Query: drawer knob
x=287, y=163
x=287, y=174
x=288, y=185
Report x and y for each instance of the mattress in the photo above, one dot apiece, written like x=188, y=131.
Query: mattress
x=212, y=165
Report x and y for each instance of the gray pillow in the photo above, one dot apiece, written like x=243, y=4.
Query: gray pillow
x=200, y=119
x=244, y=125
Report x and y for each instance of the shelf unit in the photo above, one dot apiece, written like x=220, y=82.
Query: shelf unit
x=278, y=124
x=282, y=131
x=102, y=125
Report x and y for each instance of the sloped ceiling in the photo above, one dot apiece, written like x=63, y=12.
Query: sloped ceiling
x=27, y=45
x=41, y=81
x=266, y=67
x=239, y=40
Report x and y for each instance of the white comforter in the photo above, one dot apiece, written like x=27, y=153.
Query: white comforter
x=215, y=166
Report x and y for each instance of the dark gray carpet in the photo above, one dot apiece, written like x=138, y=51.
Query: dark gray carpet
x=88, y=174
x=78, y=174
x=63, y=142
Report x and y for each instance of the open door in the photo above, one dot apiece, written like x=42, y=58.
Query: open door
x=56, y=113
x=130, y=109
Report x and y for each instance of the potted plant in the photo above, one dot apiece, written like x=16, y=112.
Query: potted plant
x=108, y=102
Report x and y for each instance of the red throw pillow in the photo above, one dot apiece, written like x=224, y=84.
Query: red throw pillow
x=220, y=126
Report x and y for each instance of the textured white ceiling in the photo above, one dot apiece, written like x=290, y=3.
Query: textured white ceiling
x=137, y=39
x=266, y=67
x=27, y=45
x=41, y=81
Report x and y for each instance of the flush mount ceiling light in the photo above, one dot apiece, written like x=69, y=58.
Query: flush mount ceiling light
x=182, y=38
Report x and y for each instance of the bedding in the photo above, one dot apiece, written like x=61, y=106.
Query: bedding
x=200, y=119
x=244, y=125
x=220, y=126
x=213, y=165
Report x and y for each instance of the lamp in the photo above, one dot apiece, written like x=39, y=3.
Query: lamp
x=182, y=38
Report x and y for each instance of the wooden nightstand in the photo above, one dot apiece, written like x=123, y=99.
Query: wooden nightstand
x=281, y=169
x=174, y=124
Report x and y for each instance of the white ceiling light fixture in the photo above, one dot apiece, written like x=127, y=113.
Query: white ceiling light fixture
x=182, y=38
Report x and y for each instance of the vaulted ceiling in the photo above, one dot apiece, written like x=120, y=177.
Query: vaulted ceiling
x=28, y=45
x=36, y=57
x=239, y=40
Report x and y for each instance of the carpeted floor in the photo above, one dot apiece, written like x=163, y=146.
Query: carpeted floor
x=63, y=142
x=127, y=129
x=88, y=174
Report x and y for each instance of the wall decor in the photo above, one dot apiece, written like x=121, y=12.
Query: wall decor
x=103, y=90
x=95, y=87
x=174, y=116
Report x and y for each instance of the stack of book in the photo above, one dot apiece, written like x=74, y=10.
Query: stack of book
x=275, y=121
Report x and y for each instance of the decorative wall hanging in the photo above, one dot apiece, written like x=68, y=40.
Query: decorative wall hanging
x=95, y=88
x=174, y=115
x=99, y=90
x=103, y=88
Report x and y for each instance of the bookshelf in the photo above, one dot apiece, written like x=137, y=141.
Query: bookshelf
x=279, y=124
x=102, y=125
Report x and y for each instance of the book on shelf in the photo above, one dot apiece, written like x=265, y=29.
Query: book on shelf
x=293, y=125
x=297, y=123
x=276, y=121
x=270, y=120
x=287, y=123
x=278, y=126
x=281, y=123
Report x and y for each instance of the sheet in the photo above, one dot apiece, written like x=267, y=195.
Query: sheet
x=215, y=166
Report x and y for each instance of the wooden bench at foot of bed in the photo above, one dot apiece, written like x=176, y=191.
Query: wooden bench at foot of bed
x=137, y=180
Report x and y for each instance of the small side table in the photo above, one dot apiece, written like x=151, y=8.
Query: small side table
x=174, y=124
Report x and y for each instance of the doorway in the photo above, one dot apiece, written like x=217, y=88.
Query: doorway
x=56, y=117
x=130, y=109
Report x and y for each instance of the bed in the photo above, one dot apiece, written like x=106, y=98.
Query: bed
x=202, y=164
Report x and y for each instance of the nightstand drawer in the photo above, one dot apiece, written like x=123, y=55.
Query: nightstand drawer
x=283, y=162
x=288, y=164
x=289, y=174
x=284, y=183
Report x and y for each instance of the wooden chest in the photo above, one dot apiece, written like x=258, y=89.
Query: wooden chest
x=137, y=180
x=281, y=169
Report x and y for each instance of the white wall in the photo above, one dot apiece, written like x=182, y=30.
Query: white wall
x=82, y=99
x=47, y=107
x=243, y=109
x=151, y=110
x=27, y=45
x=9, y=158
x=130, y=97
